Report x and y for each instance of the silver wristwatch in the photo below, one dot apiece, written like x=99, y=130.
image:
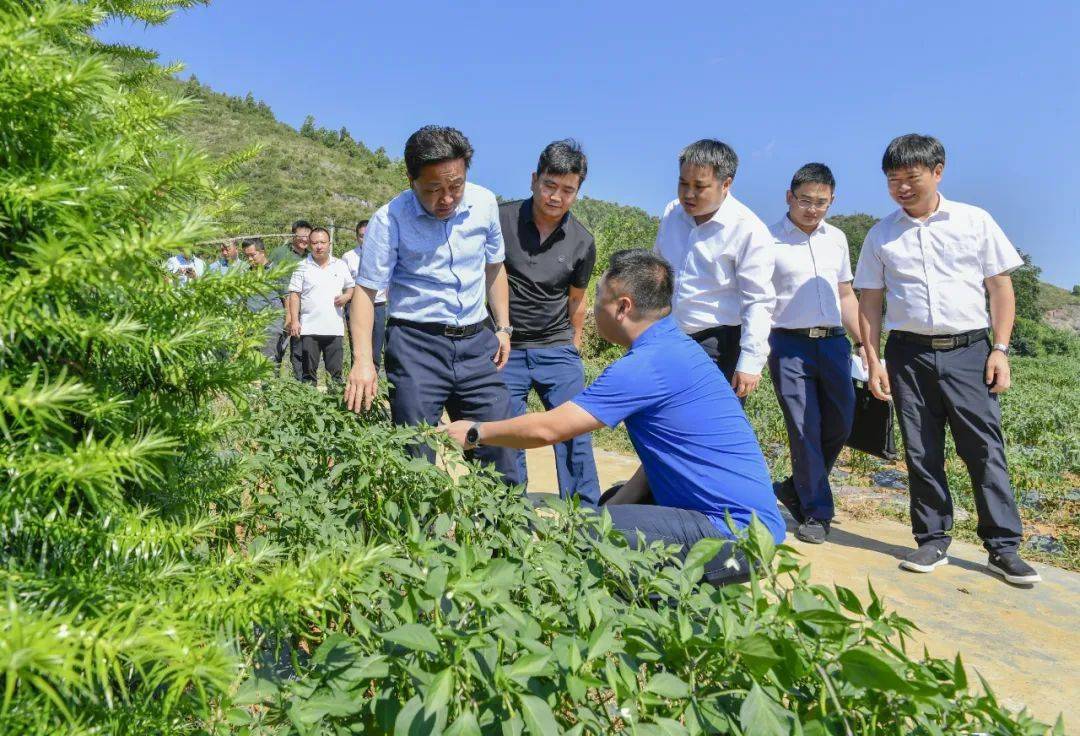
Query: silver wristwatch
x=508, y=330
x=1002, y=347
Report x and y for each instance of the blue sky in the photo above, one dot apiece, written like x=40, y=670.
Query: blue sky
x=784, y=83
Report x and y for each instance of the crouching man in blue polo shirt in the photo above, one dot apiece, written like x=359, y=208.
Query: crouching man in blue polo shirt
x=699, y=457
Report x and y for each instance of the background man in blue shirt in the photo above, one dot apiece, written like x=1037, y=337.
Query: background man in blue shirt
x=438, y=248
x=700, y=460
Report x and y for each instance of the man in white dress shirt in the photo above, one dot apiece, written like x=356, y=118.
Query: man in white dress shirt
x=378, y=331
x=935, y=261
x=722, y=257
x=319, y=289
x=809, y=356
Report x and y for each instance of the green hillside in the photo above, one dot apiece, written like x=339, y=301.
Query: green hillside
x=325, y=175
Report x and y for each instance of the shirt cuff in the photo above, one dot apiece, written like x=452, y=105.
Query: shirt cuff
x=373, y=285
x=752, y=364
x=496, y=259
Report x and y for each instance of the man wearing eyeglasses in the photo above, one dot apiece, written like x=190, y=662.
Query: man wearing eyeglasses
x=809, y=352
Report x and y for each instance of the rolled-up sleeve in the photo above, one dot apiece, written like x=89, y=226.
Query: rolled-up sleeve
x=754, y=271
x=379, y=253
x=494, y=248
x=999, y=255
x=870, y=271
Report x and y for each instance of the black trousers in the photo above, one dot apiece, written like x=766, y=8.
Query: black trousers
x=933, y=389
x=721, y=343
x=327, y=347
x=292, y=344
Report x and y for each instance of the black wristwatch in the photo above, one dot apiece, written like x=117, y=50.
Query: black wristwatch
x=473, y=435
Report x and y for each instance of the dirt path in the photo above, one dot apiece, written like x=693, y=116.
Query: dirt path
x=1025, y=642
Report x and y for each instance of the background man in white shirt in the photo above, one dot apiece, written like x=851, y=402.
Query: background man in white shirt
x=937, y=260
x=378, y=330
x=809, y=356
x=319, y=289
x=722, y=257
x=185, y=267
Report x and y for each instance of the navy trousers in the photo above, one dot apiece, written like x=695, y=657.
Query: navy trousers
x=429, y=373
x=812, y=378
x=558, y=376
x=378, y=333
x=681, y=527
x=932, y=389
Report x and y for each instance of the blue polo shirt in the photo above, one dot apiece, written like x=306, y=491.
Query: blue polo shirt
x=694, y=440
x=434, y=269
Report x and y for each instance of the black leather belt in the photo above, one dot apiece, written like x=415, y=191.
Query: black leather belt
x=941, y=342
x=434, y=328
x=814, y=332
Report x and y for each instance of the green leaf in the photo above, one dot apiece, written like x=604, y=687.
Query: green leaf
x=866, y=667
x=959, y=674
x=413, y=721
x=702, y=552
x=601, y=642
x=465, y=725
x=758, y=716
x=849, y=600
x=416, y=637
x=667, y=685
x=758, y=653
x=528, y=665
x=439, y=692
x=538, y=716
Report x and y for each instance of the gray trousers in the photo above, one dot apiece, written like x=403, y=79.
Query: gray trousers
x=933, y=389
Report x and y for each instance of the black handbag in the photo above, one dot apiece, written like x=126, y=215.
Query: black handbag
x=872, y=430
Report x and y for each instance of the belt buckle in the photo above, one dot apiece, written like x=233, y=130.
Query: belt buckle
x=943, y=343
x=818, y=332
x=454, y=331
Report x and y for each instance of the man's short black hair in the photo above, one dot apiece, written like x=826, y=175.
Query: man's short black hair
x=299, y=224
x=563, y=157
x=644, y=277
x=434, y=144
x=913, y=150
x=361, y=224
x=319, y=230
x=813, y=174
x=711, y=152
x=256, y=243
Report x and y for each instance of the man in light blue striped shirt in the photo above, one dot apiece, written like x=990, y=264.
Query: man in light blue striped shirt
x=438, y=249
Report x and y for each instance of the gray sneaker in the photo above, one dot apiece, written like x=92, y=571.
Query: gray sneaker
x=1009, y=566
x=925, y=558
x=813, y=531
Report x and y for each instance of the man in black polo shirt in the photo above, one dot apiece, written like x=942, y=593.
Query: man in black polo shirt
x=549, y=258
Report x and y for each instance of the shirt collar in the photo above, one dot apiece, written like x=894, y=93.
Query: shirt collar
x=720, y=217
x=656, y=331
x=527, y=215
x=943, y=212
x=790, y=227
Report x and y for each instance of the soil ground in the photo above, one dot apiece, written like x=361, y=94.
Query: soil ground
x=1024, y=640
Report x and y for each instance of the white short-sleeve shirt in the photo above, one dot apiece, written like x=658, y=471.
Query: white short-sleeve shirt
x=723, y=274
x=934, y=271
x=807, y=272
x=352, y=260
x=317, y=287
